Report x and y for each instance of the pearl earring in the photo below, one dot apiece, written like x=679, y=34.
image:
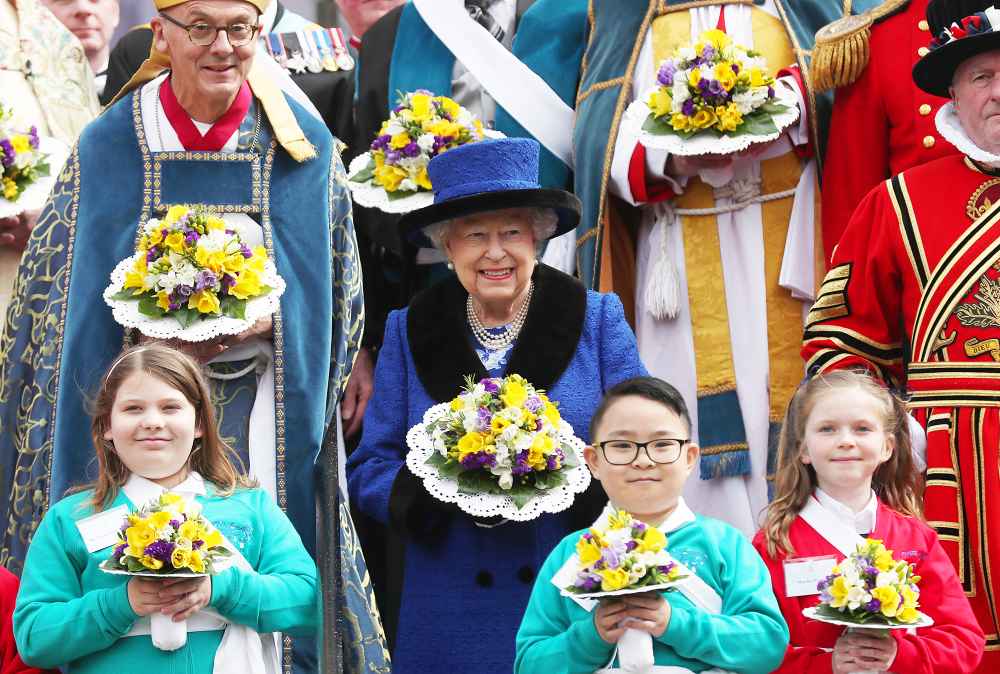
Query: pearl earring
x=451, y=265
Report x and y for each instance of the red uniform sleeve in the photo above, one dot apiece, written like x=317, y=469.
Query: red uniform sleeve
x=954, y=644
x=856, y=321
x=857, y=156
x=799, y=656
x=645, y=189
x=10, y=661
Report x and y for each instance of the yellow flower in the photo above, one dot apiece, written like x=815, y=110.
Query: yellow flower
x=470, y=443
x=449, y=106
x=191, y=530
x=389, y=176
x=703, y=119
x=724, y=73
x=660, y=102
x=729, y=117
x=156, y=236
x=20, y=143
x=652, y=541
x=184, y=543
x=175, y=213
x=443, y=127
x=551, y=413
x=399, y=141
x=215, y=224
x=163, y=300
x=514, y=393
x=9, y=189
x=180, y=557
x=151, y=563
x=694, y=77
x=543, y=443
x=196, y=563
x=613, y=579
x=205, y=302
x=498, y=423
x=422, y=179
x=247, y=285
x=619, y=519
x=909, y=597
x=883, y=559
x=456, y=404
x=212, y=538
x=838, y=589
x=587, y=551
x=136, y=277
x=536, y=459
x=211, y=260
x=889, y=598
x=716, y=38
x=907, y=614
x=757, y=78
x=140, y=535
x=680, y=122
x=160, y=519
x=175, y=242
x=234, y=263
x=257, y=260
x=421, y=105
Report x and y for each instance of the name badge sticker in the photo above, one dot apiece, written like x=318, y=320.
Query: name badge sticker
x=101, y=530
x=802, y=574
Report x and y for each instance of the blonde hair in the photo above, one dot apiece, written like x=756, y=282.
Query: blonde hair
x=212, y=457
x=894, y=481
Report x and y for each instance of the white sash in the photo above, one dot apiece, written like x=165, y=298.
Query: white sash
x=513, y=85
x=242, y=649
x=833, y=530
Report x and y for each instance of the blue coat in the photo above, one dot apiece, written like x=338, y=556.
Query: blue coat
x=465, y=588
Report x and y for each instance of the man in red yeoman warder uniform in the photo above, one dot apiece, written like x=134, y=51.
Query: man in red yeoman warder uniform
x=920, y=262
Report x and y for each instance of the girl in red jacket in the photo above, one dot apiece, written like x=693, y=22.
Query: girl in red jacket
x=10, y=662
x=845, y=473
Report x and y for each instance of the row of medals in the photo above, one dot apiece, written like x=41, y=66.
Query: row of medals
x=310, y=56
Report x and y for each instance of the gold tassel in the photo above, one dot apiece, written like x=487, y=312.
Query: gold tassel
x=840, y=53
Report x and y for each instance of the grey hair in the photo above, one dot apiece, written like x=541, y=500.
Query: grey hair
x=543, y=224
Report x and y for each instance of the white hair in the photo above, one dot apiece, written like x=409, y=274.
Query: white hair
x=543, y=224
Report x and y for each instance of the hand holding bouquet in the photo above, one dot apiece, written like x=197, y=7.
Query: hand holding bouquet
x=499, y=438
x=394, y=170
x=25, y=168
x=167, y=537
x=188, y=268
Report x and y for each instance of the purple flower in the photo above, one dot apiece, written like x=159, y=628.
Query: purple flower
x=874, y=606
x=174, y=306
x=533, y=404
x=152, y=254
x=665, y=75
x=736, y=68
x=521, y=466
x=190, y=237
x=708, y=53
x=714, y=88
x=631, y=545
x=479, y=460
x=611, y=557
x=770, y=92
x=175, y=524
x=483, y=418
x=688, y=107
x=381, y=142
x=183, y=291
x=538, y=424
x=490, y=385
x=197, y=543
x=245, y=251
x=119, y=551
x=33, y=137
x=411, y=149
x=228, y=281
x=160, y=550
x=8, y=154
x=392, y=157
x=205, y=280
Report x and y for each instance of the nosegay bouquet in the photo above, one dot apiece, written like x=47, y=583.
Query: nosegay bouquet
x=500, y=437
x=870, y=587
x=190, y=267
x=22, y=162
x=623, y=554
x=167, y=537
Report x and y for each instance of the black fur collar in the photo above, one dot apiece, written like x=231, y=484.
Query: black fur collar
x=437, y=332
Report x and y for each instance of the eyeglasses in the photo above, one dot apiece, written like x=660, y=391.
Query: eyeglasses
x=624, y=452
x=203, y=34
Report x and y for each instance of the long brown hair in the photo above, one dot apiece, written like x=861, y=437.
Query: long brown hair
x=894, y=481
x=211, y=456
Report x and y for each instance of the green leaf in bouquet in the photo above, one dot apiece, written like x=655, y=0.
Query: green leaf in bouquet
x=757, y=123
x=125, y=295
x=233, y=307
x=42, y=169
x=186, y=317
x=400, y=194
x=445, y=468
x=134, y=565
x=365, y=174
x=148, y=307
x=659, y=127
x=556, y=479
x=772, y=108
x=520, y=499
x=477, y=482
x=569, y=458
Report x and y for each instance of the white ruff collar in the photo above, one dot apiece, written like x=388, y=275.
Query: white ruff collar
x=951, y=130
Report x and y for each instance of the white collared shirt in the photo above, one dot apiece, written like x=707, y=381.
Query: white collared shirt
x=862, y=522
x=141, y=491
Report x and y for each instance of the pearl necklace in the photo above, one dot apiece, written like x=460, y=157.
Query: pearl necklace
x=510, y=331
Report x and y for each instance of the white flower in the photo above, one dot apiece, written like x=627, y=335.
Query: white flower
x=506, y=481
x=394, y=127
x=886, y=578
x=679, y=92
x=685, y=53
x=856, y=596
x=426, y=142
x=407, y=185
x=151, y=226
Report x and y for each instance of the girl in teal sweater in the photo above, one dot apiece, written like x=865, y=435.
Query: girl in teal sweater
x=154, y=430
x=727, y=620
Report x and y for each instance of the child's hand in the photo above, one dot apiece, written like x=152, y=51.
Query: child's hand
x=856, y=651
x=184, y=596
x=144, y=595
x=607, y=619
x=650, y=612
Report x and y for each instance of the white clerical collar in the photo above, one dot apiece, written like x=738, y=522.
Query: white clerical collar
x=141, y=491
x=948, y=125
x=681, y=515
x=862, y=522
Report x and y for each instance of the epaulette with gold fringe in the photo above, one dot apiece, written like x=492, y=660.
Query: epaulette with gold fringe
x=841, y=50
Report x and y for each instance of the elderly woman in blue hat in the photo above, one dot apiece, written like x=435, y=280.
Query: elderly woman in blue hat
x=464, y=586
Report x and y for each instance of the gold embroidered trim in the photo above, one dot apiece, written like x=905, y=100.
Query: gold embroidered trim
x=663, y=8
x=599, y=86
x=724, y=449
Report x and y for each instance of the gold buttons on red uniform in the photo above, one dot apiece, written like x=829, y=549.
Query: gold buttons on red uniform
x=929, y=141
x=923, y=25
x=924, y=109
x=923, y=51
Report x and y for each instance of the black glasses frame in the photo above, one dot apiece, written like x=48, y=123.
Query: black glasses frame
x=254, y=27
x=644, y=446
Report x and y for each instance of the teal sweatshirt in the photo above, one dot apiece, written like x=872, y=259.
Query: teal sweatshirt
x=557, y=636
x=69, y=613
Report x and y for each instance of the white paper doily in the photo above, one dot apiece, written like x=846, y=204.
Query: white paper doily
x=219, y=567
x=701, y=144
x=126, y=312
x=618, y=593
x=924, y=620
x=490, y=505
x=34, y=196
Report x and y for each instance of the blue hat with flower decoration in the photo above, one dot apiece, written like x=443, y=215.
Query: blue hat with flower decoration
x=960, y=29
x=488, y=175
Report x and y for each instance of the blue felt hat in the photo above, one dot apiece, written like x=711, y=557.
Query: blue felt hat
x=489, y=175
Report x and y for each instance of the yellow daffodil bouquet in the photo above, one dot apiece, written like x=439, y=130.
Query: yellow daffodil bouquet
x=622, y=554
x=392, y=175
x=24, y=166
x=713, y=89
x=193, y=277
x=870, y=588
x=500, y=447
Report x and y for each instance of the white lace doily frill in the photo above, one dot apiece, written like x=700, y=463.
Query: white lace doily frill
x=702, y=144
x=126, y=312
x=421, y=446
x=617, y=593
x=923, y=620
x=34, y=195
